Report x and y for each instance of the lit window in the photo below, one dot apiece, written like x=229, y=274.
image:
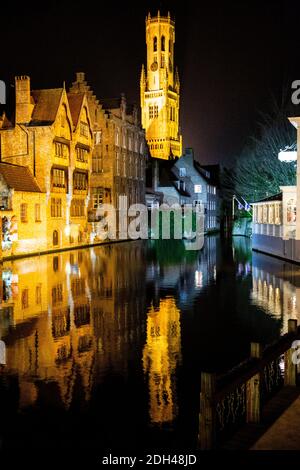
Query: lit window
x=291, y=211
x=84, y=129
x=37, y=210
x=80, y=181
x=61, y=150
x=98, y=137
x=271, y=214
x=77, y=208
x=56, y=208
x=117, y=164
x=24, y=299
x=23, y=212
x=117, y=139
x=97, y=164
x=265, y=214
x=98, y=198
x=259, y=214
x=198, y=188
x=124, y=165
x=58, y=178
x=278, y=214
x=82, y=154
x=38, y=294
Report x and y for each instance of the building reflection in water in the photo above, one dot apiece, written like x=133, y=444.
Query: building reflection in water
x=275, y=283
x=71, y=315
x=73, y=320
x=276, y=288
x=161, y=357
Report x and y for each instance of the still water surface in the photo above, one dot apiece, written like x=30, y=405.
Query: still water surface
x=105, y=346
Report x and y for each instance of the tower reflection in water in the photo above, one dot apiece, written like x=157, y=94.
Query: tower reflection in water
x=160, y=359
x=77, y=323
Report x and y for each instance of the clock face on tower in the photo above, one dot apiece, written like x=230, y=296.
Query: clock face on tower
x=154, y=66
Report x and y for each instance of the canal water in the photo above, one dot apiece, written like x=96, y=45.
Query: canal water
x=104, y=347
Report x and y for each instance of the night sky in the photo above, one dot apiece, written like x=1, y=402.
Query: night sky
x=232, y=57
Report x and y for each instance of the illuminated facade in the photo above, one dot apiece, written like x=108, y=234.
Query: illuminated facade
x=276, y=222
x=51, y=139
x=120, y=151
x=160, y=90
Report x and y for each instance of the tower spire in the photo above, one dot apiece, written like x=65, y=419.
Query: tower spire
x=159, y=89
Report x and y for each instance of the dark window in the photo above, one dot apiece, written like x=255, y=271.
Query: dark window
x=55, y=238
x=55, y=263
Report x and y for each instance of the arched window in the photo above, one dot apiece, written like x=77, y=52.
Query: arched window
x=117, y=137
x=170, y=46
x=154, y=44
x=163, y=43
x=291, y=211
x=55, y=238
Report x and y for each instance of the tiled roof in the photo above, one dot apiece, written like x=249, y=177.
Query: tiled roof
x=18, y=178
x=75, y=102
x=4, y=121
x=46, y=105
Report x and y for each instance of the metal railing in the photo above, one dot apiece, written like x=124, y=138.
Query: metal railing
x=238, y=397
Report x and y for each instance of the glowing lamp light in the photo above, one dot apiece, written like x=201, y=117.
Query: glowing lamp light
x=287, y=156
x=198, y=279
x=67, y=230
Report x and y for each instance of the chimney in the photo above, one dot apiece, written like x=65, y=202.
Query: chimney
x=23, y=103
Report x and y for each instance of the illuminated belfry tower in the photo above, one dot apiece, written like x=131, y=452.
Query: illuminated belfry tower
x=160, y=89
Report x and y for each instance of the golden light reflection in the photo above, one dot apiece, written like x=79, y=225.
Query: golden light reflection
x=161, y=356
x=66, y=317
x=275, y=294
